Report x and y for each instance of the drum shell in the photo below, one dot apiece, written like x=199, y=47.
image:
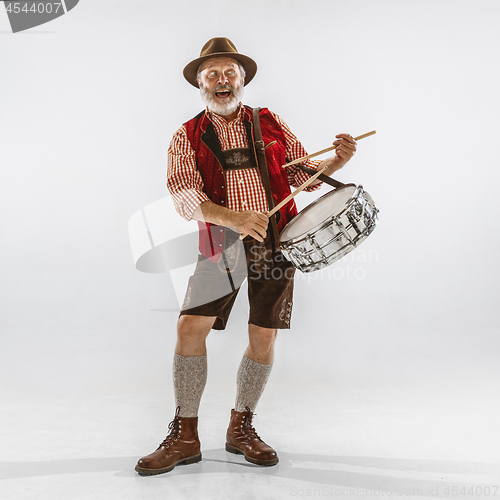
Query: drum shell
x=334, y=236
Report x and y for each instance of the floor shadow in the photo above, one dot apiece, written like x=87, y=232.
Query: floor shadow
x=363, y=474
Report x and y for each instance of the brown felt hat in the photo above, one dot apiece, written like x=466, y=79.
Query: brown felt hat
x=219, y=47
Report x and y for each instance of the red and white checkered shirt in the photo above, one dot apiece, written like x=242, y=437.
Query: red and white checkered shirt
x=244, y=187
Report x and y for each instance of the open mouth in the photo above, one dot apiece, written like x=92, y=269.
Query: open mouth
x=223, y=94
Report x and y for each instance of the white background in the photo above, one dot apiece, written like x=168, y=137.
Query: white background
x=88, y=104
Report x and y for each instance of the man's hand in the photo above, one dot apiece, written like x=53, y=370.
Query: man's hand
x=250, y=222
x=346, y=147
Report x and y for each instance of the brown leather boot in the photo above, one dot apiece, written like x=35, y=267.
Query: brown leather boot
x=242, y=439
x=182, y=445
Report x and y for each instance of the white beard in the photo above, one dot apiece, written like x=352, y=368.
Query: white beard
x=228, y=106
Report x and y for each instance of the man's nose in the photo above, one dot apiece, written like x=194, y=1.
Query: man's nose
x=223, y=79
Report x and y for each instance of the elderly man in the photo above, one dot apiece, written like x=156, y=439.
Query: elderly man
x=225, y=169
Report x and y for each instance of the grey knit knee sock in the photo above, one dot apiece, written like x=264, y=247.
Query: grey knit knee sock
x=190, y=377
x=250, y=382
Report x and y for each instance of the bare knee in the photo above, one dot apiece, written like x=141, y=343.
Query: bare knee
x=191, y=334
x=261, y=344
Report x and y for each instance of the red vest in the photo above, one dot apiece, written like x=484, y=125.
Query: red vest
x=209, y=159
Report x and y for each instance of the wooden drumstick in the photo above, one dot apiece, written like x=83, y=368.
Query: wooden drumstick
x=311, y=179
x=331, y=148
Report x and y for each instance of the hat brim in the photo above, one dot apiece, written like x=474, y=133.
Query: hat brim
x=191, y=70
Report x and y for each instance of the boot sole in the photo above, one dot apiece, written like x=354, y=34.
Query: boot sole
x=237, y=451
x=151, y=472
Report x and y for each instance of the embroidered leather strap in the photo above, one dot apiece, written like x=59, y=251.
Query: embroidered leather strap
x=261, y=160
x=237, y=159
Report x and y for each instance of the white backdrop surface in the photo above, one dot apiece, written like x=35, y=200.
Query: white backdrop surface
x=389, y=377
x=88, y=104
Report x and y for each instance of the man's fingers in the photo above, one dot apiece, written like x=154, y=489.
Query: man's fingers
x=346, y=144
x=259, y=219
x=346, y=149
x=260, y=227
x=258, y=235
x=344, y=156
x=262, y=217
x=254, y=224
x=347, y=137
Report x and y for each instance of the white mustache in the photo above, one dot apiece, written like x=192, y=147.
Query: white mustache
x=226, y=86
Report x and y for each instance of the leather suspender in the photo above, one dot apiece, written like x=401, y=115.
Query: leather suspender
x=321, y=177
x=261, y=160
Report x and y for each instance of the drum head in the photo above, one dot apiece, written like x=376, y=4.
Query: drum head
x=317, y=212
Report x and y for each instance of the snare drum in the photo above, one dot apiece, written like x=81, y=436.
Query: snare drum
x=329, y=228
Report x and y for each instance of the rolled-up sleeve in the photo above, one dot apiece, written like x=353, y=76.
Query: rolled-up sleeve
x=294, y=151
x=183, y=178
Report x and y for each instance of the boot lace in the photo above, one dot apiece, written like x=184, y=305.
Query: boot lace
x=247, y=426
x=174, y=434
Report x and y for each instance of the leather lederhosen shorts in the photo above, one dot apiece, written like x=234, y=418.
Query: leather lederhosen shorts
x=213, y=287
